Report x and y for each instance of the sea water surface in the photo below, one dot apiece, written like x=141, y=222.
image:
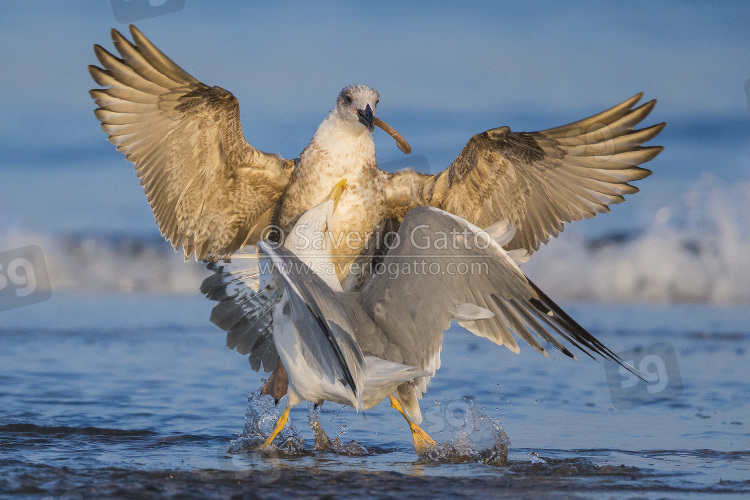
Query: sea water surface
x=136, y=395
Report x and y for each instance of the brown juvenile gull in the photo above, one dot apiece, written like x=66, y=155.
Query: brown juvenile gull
x=212, y=192
x=358, y=348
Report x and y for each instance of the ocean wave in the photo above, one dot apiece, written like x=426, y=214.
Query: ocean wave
x=102, y=262
x=697, y=250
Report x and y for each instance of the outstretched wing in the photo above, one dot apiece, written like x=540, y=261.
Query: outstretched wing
x=210, y=191
x=450, y=269
x=247, y=292
x=538, y=181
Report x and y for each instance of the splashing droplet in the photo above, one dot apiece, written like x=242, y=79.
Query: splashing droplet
x=261, y=416
x=479, y=439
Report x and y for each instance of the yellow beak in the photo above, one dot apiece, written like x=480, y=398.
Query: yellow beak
x=336, y=193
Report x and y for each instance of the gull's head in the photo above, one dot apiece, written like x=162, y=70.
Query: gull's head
x=357, y=105
x=311, y=233
x=310, y=238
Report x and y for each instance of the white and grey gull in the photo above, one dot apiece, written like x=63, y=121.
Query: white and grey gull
x=312, y=333
x=357, y=348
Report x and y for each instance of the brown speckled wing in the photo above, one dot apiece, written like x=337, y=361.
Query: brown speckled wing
x=211, y=192
x=539, y=180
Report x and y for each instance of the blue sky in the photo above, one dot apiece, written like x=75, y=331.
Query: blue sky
x=444, y=70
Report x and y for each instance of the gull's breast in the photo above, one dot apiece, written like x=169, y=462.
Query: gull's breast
x=362, y=205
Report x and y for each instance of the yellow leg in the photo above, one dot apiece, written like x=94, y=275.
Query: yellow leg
x=279, y=425
x=422, y=441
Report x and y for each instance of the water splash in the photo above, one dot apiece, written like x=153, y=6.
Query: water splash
x=479, y=438
x=324, y=443
x=261, y=416
x=351, y=448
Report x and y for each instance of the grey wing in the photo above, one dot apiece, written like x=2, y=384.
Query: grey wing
x=211, y=192
x=538, y=181
x=247, y=292
x=323, y=328
x=446, y=268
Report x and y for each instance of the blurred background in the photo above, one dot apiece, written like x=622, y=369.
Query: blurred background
x=444, y=72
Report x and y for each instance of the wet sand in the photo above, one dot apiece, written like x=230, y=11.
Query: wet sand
x=567, y=478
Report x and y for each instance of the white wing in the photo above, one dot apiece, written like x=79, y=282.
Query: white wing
x=445, y=268
x=322, y=329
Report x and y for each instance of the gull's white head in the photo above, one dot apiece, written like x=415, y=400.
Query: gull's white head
x=356, y=105
x=310, y=238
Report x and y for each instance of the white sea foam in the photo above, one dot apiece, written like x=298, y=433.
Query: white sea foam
x=100, y=262
x=697, y=250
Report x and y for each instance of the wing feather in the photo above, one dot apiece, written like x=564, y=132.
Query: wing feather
x=246, y=292
x=537, y=181
x=321, y=324
x=206, y=185
x=491, y=281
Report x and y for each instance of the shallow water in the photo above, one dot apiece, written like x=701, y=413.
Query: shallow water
x=136, y=395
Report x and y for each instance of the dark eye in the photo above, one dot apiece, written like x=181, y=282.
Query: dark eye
x=348, y=99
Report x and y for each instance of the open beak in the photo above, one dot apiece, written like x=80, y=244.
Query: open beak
x=336, y=193
x=402, y=144
x=366, y=117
